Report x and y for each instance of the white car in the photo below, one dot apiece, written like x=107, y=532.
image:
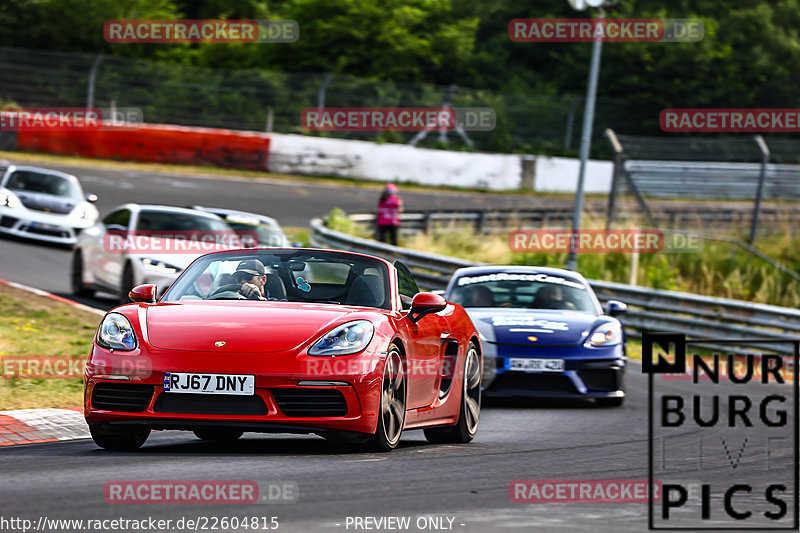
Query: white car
x=266, y=229
x=44, y=204
x=136, y=244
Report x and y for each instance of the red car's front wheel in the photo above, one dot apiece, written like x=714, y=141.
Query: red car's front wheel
x=392, y=415
x=120, y=438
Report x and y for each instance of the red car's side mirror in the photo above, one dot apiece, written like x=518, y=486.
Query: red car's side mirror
x=425, y=303
x=144, y=293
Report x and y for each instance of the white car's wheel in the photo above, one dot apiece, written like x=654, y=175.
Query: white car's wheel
x=76, y=277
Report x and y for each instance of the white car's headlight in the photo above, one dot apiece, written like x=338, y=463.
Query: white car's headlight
x=8, y=199
x=85, y=211
x=117, y=333
x=606, y=334
x=159, y=266
x=346, y=339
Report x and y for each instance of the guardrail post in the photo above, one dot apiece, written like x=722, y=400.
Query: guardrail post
x=612, y=195
x=762, y=145
x=427, y=224
x=528, y=177
x=92, y=78
x=480, y=222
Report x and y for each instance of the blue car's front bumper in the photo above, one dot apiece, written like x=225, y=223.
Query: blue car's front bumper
x=588, y=372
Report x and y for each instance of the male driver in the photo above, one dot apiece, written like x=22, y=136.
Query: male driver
x=252, y=276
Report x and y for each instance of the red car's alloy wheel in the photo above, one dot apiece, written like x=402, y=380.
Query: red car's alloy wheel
x=470, y=412
x=393, y=403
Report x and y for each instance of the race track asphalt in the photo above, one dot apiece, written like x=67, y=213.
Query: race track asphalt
x=466, y=483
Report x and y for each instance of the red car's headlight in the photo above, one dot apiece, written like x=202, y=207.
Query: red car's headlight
x=346, y=339
x=116, y=333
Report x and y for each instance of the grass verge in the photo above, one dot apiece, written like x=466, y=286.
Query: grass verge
x=36, y=326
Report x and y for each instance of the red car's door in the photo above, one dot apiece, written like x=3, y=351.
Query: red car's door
x=425, y=344
x=424, y=359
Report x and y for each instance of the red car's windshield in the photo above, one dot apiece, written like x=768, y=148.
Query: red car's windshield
x=295, y=276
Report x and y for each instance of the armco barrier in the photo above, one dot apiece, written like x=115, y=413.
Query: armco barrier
x=154, y=144
x=648, y=309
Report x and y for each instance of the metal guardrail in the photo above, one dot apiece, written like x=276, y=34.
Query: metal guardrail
x=666, y=216
x=649, y=309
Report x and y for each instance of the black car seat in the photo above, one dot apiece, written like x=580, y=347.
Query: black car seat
x=366, y=290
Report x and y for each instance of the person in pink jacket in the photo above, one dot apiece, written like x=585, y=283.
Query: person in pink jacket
x=389, y=208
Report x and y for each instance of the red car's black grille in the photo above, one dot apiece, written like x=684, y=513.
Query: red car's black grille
x=210, y=404
x=127, y=397
x=310, y=402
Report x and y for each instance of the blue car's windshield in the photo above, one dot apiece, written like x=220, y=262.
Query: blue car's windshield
x=527, y=291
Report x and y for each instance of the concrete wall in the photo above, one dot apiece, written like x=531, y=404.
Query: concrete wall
x=300, y=154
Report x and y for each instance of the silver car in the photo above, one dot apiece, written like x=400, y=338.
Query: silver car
x=136, y=244
x=44, y=204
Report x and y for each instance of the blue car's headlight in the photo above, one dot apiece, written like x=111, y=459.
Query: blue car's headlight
x=606, y=334
x=346, y=339
x=116, y=333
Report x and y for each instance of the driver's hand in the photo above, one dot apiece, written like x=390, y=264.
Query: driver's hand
x=251, y=291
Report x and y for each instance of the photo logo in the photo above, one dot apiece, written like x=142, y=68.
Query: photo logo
x=41, y=367
x=326, y=367
x=581, y=491
x=719, y=120
x=69, y=118
x=586, y=241
x=201, y=31
x=398, y=119
x=199, y=492
x=177, y=241
x=722, y=442
x=611, y=30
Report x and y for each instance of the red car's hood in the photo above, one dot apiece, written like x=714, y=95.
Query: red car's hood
x=242, y=327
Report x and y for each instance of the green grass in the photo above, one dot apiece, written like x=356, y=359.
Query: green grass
x=35, y=326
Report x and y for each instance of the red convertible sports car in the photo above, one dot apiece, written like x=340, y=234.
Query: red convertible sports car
x=290, y=341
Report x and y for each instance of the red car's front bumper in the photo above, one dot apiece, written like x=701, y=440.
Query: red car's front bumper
x=293, y=392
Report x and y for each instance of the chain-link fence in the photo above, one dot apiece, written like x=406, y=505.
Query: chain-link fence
x=257, y=100
x=743, y=168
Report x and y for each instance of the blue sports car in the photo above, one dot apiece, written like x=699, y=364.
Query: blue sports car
x=544, y=333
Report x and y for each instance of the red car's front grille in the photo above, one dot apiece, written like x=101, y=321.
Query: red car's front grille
x=310, y=402
x=210, y=404
x=125, y=397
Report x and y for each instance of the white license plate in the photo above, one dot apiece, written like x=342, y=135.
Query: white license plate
x=536, y=365
x=209, y=383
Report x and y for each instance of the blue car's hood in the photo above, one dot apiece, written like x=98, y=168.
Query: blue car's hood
x=549, y=327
